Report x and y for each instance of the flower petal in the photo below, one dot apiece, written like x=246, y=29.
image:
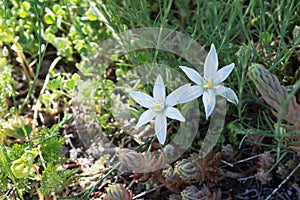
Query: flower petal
x=197, y=90
x=159, y=90
x=211, y=62
x=228, y=93
x=146, y=117
x=223, y=73
x=183, y=94
x=141, y=98
x=174, y=113
x=192, y=74
x=161, y=128
x=209, y=101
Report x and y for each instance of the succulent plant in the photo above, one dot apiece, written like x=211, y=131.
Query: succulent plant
x=195, y=169
x=141, y=162
x=193, y=193
x=264, y=176
x=118, y=192
x=186, y=170
x=229, y=153
x=266, y=161
x=275, y=94
x=208, y=168
x=169, y=174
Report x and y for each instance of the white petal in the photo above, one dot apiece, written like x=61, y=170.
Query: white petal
x=161, y=128
x=141, y=98
x=174, y=113
x=228, y=93
x=209, y=101
x=192, y=74
x=146, y=117
x=211, y=62
x=197, y=90
x=183, y=94
x=223, y=73
x=159, y=90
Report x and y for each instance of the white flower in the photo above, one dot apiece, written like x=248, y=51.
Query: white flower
x=160, y=107
x=210, y=84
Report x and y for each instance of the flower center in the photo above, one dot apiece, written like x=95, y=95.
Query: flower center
x=158, y=105
x=209, y=84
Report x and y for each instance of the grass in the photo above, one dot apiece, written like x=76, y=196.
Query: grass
x=244, y=33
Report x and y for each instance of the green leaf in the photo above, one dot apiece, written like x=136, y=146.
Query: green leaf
x=46, y=97
x=3, y=62
x=20, y=132
x=70, y=84
x=22, y=13
x=119, y=72
x=60, y=43
x=142, y=57
x=28, y=129
x=91, y=14
x=56, y=8
x=26, y=5
x=83, y=51
x=49, y=18
x=53, y=85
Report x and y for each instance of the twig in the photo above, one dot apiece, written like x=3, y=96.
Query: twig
x=227, y=163
x=247, y=193
x=147, y=192
x=250, y=158
x=130, y=184
x=284, y=181
x=246, y=178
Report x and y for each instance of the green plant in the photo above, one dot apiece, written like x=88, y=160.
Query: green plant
x=284, y=106
x=7, y=83
x=36, y=159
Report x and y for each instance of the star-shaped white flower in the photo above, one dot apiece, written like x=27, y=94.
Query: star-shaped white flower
x=210, y=84
x=160, y=107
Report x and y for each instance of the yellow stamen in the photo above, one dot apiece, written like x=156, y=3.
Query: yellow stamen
x=209, y=85
x=157, y=106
